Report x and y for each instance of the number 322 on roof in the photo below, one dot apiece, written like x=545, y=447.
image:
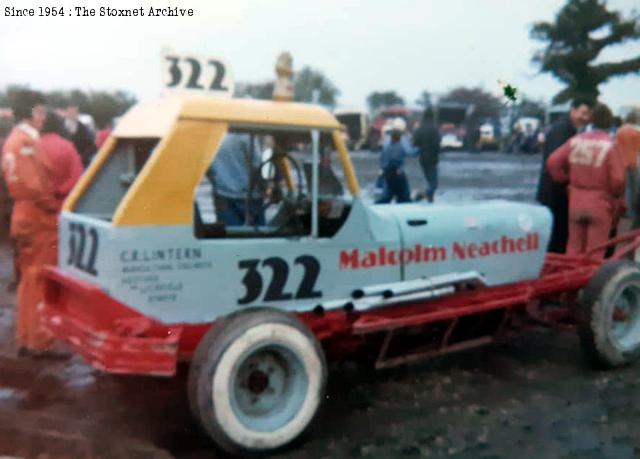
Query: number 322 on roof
x=190, y=73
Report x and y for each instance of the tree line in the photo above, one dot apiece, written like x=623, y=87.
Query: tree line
x=102, y=105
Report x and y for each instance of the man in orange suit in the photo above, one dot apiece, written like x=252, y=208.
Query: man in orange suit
x=26, y=171
x=594, y=170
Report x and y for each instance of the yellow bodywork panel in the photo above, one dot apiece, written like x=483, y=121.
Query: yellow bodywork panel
x=259, y=112
x=150, y=119
x=163, y=192
x=155, y=118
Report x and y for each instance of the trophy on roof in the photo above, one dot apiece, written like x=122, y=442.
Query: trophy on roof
x=283, y=90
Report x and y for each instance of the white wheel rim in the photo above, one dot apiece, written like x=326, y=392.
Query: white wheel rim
x=265, y=338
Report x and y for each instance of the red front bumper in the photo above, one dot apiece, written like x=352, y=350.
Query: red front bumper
x=109, y=335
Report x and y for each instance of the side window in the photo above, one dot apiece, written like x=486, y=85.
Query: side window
x=259, y=185
x=115, y=176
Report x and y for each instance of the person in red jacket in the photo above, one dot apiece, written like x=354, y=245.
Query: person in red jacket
x=64, y=160
x=594, y=169
x=34, y=216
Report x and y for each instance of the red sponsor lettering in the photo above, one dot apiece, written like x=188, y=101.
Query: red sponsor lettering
x=382, y=256
x=434, y=254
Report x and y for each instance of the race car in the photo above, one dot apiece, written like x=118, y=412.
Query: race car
x=149, y=275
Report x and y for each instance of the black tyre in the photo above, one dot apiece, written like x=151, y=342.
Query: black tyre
x=257, y=381
x=609, y=315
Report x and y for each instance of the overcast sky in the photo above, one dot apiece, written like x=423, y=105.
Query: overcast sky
x=362, y=46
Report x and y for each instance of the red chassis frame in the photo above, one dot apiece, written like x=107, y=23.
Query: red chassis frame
x=114, y=338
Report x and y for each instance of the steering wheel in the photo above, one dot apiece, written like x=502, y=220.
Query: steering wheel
x=271, y=191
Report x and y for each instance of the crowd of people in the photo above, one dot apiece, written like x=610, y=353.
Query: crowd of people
x=588, y=177
x=44, y=153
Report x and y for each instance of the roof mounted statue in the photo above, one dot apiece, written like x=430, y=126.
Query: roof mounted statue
x=283, y=90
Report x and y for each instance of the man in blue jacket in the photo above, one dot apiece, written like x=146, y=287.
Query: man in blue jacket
x=392, y=162
x=230, y=174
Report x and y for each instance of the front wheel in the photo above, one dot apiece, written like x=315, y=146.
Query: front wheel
x=257, y=381
x=609, y=314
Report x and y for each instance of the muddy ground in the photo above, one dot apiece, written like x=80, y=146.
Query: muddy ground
x=535, y=397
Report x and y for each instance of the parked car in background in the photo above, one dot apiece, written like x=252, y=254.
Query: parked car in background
x=452, y=118
x=452, y=138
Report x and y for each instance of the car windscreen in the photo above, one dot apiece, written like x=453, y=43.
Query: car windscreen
x=111, y=182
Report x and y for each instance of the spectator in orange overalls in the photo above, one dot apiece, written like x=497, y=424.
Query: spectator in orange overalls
x=594, y=170
x=34, y=217
x=628, y=141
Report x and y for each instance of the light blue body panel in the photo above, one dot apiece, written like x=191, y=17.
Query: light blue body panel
x=169, y=275
x=504, y=241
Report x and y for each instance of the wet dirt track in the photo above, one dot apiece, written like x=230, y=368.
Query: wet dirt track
x=535, y=397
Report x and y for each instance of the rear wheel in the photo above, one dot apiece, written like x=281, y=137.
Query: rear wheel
x=257, y=381
x=609, y=314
